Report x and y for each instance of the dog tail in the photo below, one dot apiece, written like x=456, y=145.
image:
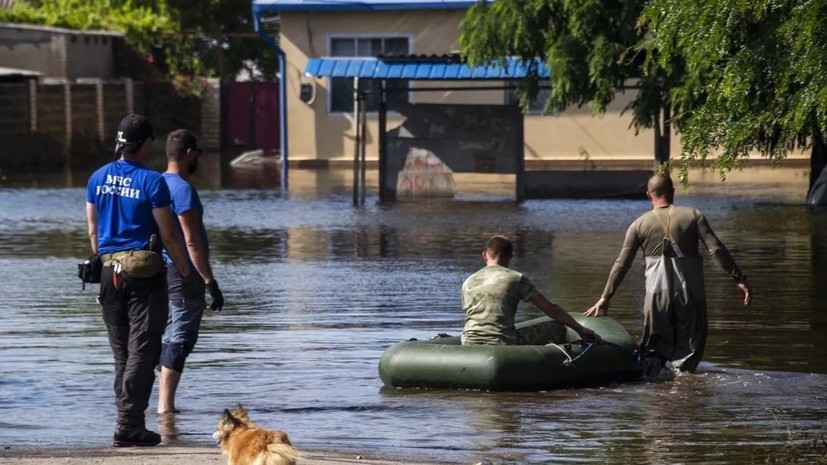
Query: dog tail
x=279, y=453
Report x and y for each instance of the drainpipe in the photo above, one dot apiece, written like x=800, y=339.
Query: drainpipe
x=282, y=94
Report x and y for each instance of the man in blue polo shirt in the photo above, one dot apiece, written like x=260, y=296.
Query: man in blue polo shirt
x=186, y=306
x=126, y=204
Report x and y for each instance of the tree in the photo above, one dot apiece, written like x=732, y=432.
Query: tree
x=225, y=40
x=755, y=76
x=592, y=48
x=174, y=39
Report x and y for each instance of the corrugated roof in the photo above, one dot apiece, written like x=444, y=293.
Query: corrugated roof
x=416, y=68
x=352, y=5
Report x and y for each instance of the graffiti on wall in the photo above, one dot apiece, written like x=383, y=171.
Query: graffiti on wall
x=424, y=175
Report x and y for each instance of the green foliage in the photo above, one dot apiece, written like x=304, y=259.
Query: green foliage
x=142, y=24
x=588, y=45
x=225, y=41
x=737, y=77
x=176, y=39
x=755, y=76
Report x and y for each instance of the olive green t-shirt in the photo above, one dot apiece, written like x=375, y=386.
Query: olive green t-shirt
x=490, y=298
x=687, y=226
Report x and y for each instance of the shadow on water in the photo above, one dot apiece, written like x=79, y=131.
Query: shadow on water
x=317, y=289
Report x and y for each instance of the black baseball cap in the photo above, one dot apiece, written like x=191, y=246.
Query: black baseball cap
x=133, y=130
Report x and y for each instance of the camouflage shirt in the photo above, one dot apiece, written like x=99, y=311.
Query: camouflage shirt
x=490, y=298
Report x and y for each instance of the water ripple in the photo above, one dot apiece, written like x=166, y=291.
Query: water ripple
x=316, y=290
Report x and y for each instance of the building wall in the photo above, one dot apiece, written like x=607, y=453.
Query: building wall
x=32, y=49
x=57, y=53
x=317, y=135
x=89, y=55
x=578, y=135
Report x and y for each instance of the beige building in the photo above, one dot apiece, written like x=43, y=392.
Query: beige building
x=320, y=110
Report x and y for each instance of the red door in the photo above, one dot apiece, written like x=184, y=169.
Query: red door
x=252, y=116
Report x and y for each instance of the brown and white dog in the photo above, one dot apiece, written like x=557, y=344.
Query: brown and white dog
x=246, y=444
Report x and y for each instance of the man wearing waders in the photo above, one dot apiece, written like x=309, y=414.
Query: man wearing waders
x=674, y=309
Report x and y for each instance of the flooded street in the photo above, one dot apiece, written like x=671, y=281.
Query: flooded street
x=317, y=289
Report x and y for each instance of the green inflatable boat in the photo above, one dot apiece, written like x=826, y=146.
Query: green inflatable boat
x=443, y=362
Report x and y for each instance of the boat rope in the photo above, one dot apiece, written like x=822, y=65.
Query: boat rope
x=588, y=345
x=569, y=360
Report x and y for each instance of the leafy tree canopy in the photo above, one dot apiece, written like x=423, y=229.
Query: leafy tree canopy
x=176, y=38
x=590, y=46
x=755, y=75
x=734, y=77
x=586, y=43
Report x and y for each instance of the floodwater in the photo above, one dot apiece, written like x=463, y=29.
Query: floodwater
x=316, y=289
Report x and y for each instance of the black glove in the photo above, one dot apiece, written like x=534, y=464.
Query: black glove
x=216, y=296
x=90, y=270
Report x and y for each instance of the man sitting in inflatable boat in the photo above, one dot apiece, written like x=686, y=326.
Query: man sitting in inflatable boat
x=490, y=298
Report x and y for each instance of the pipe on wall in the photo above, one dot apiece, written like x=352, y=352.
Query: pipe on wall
x=282, y=95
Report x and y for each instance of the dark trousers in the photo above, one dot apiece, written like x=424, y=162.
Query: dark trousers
x=135, y=314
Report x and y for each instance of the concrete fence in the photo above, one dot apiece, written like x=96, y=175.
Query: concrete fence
x=53, y=125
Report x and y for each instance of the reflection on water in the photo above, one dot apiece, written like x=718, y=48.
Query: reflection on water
x=317, y=289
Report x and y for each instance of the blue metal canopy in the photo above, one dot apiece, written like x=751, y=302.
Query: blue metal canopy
x=361, y=5
x=417, y=69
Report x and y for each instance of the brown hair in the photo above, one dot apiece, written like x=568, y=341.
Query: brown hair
x=499, y=247
x=660, y=185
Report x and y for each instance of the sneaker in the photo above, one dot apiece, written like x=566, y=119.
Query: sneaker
x=132, y=436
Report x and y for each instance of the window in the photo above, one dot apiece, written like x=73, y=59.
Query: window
x=536, y=106
x=341, y=89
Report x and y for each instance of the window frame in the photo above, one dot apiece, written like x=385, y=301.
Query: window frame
x=356, y=36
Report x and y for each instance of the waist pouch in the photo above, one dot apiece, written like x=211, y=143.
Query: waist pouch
x=137, y=263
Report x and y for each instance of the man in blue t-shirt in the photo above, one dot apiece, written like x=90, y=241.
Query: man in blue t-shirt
x=186, y=306
x=127, y=204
